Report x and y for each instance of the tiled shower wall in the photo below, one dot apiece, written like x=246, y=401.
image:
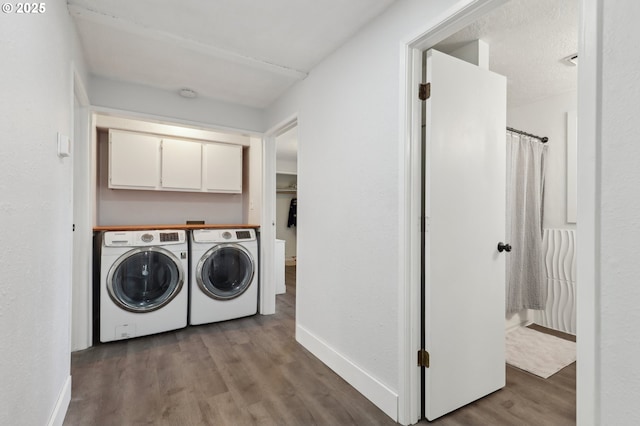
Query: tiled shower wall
x=559, y=250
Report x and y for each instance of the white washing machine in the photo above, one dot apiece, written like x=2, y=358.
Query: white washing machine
x=224, y=275
x=143, y=283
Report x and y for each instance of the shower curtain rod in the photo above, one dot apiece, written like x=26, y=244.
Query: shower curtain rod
x=542, y=139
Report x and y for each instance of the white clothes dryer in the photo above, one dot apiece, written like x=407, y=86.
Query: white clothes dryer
x=143, y=278
x=224, y=275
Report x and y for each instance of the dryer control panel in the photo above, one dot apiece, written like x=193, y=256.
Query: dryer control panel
x=223, y=235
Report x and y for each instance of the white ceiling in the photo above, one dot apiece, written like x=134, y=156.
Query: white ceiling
x=528, y=40
x=242, y=51
x=249, y=52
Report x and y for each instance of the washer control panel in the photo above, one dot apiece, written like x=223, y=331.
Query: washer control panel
x=243, y=235
x=143, y=238
x=169, y=236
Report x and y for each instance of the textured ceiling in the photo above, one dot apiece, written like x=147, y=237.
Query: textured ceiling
x=241, y=51
x=249, y=52
x=528, y=40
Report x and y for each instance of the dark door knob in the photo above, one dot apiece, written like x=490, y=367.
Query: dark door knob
x=504, y=247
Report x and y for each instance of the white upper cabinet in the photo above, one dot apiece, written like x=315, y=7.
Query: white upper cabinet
x=141, y=161
x=134, y=160
x=181, y=165
x=222, y=168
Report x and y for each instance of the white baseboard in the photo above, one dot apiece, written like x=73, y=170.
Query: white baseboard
x=375, y=391
x=60, y=410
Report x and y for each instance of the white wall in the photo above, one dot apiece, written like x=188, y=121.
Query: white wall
x=252, y=182
x=548, y=117
x=133, y=207
x=160, y=103
x=36, y=215
x=348, y=201
x=618, y=209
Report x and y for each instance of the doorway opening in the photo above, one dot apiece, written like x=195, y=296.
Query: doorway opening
x=286, y=203
x=280, y=174
x=469, y=19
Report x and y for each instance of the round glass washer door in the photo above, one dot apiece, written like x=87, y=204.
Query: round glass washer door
x=145, y=279
x=225, y=271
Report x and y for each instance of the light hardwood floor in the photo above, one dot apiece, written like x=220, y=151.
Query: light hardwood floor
x=252, y=372
x=526, y=400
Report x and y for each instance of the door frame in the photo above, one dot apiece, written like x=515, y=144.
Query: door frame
x=80, y=319
x=460, y=15
x=588, y=221
x=268, y=229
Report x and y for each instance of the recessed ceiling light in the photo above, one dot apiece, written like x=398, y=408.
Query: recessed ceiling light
x=188, y=93
x=571, y=59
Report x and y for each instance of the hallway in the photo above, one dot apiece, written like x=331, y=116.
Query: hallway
x=242, y=372
x=252, y=372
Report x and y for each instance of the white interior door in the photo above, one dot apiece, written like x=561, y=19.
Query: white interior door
x=465, y=220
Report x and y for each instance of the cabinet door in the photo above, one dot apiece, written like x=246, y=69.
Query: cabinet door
x=134, y=160
x=181, y=165
x=223, y=168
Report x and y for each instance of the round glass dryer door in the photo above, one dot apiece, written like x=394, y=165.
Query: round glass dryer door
x=145, y=279
x=225, y=271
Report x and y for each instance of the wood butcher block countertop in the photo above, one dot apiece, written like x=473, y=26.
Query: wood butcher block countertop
x=183, y=226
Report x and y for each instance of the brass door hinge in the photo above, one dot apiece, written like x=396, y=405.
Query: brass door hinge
x=423, y=358
x=424, y=91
